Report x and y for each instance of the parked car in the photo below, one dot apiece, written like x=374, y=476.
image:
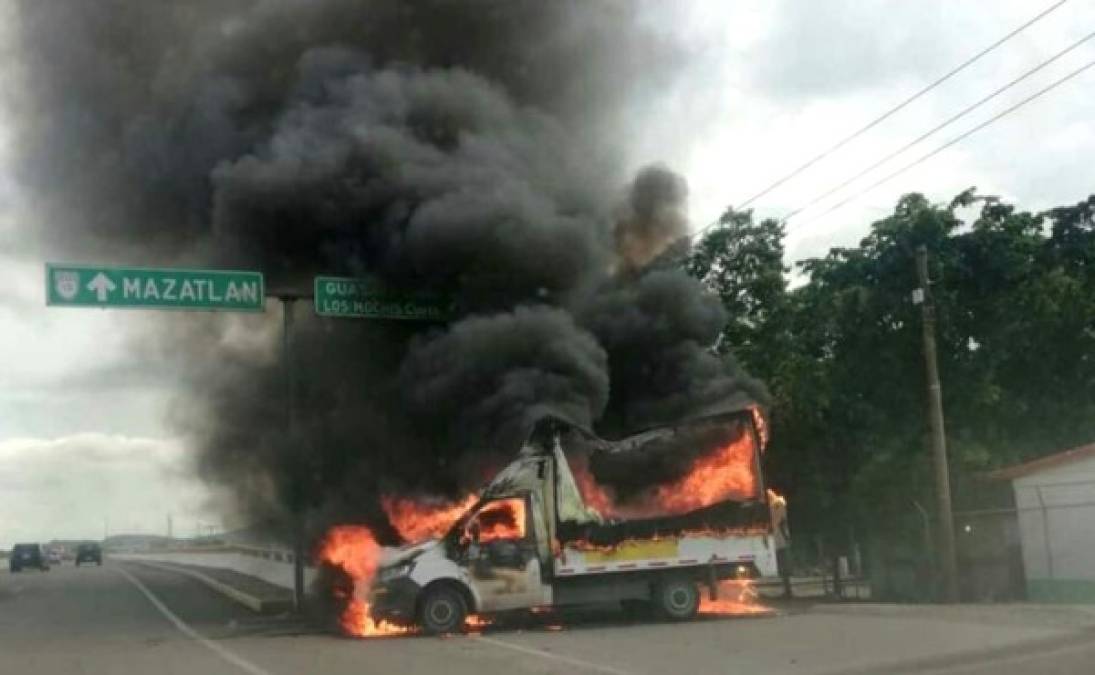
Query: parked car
x=28, y=555
x=89, y=552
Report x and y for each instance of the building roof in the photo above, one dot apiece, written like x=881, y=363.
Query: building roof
x=1043, y=463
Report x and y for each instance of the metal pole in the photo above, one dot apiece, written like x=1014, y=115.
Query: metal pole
x=290, y=428
x=1045, y=530
x=948, y=560
x=929, y=548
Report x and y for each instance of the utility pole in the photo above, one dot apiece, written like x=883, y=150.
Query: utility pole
x=948, y=562
x=287, y=299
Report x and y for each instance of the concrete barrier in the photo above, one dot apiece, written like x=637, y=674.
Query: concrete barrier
x=271, y=565
x=252, y=602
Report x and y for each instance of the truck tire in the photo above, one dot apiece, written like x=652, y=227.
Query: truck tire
x=442, y=611
x=678, y=599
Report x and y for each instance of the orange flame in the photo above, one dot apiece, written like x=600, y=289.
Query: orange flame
x=729, y=472
x=735, y=598
x=761, y=425
x=475, y=622
x=593, y=493
x=417, y=521
x=353, y=549
x=503, y=519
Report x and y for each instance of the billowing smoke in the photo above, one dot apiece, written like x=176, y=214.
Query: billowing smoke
x=469, y=149
x=489, y=377
x=651, y=218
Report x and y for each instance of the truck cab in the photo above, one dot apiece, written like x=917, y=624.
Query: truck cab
x=532, y=540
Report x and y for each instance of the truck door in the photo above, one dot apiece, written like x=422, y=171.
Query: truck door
x=501, y=554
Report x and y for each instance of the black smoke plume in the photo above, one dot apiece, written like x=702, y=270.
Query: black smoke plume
x=465, y=148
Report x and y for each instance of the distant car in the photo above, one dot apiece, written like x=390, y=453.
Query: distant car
x=89, y=553
x=54, y=557
x=28, y=555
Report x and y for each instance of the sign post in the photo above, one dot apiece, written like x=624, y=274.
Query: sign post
x=287, y=300
x=366, y=298
x=152, y=288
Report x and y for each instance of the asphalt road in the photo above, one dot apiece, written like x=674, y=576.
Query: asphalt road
x=125, y=618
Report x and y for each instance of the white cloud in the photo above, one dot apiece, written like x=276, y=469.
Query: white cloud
x=70, y=370
x=71, y=487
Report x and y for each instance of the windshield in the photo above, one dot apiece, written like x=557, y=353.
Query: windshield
x=581, y=332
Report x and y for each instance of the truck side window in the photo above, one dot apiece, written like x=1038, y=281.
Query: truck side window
x=501, y=519
x=496, y=536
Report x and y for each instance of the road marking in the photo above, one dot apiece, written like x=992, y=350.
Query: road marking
x=552, y=657
x=229, y=656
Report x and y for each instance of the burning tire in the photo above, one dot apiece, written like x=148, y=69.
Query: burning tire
x=677, y=599
x=442, y=611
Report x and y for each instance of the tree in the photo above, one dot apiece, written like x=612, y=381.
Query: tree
x=742, y=262
x=841, y=353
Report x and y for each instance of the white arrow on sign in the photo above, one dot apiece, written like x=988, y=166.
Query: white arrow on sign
x=102, y=285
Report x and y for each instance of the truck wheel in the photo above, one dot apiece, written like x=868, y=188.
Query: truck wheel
x=678, y=599
x=442, y=611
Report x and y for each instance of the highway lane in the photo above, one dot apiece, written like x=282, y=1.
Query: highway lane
x=93, y=620
x=99, y=620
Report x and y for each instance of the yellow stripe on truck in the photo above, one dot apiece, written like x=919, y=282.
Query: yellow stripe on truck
x=634, y=550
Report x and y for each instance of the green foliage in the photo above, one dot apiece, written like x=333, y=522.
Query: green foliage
x=743, y=263
x=1015, y=297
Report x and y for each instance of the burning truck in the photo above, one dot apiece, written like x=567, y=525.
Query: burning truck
x=558, y=527
x=473, y=151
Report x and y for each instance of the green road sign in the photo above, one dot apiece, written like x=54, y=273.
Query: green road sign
x=357, y=298
x=143, y=288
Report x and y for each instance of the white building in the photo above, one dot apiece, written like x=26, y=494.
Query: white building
x=1055, y=504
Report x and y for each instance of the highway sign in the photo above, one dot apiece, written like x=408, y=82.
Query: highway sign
x=367, y=298
x=146, y=288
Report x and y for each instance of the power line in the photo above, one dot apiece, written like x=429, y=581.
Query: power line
x=886, y=115
x=954, y=118
x=956, y=139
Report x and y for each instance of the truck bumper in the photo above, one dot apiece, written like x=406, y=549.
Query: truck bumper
x=394, y=601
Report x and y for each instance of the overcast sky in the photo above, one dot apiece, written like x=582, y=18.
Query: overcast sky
x=83, y=437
